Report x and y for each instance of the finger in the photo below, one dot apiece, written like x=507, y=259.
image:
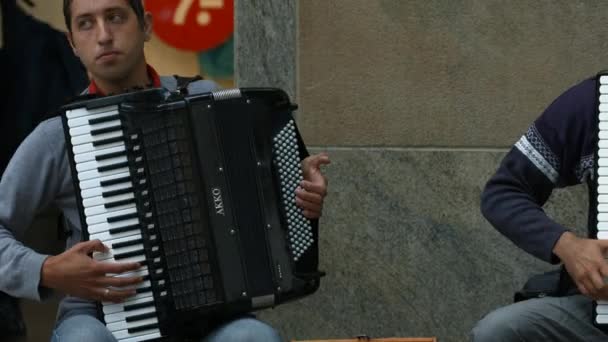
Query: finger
x=319, y=159
x=596, y=281
x=604, y=270
x=582, y=289
x=113, y=295
x=311, y=215
x=308, y=196
x=117, y=267
x=591, y=290
x=308, y=205
x=119, y=281
x=89, y=247
x=320, y=189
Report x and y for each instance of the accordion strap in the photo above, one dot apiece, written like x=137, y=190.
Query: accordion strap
x=184, y=82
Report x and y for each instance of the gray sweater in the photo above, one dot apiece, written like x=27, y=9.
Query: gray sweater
x=37, y=177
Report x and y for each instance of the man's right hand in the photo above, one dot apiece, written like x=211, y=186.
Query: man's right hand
x=75, y=273
x=585, y=261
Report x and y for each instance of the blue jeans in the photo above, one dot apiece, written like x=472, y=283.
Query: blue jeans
x=563, y=319
x=84, y=327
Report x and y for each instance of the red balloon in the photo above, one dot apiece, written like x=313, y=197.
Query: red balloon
x=194, y=25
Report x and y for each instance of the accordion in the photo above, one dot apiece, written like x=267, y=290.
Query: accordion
x=200, y=190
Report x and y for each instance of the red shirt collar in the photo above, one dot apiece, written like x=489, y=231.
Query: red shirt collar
x=93, y=89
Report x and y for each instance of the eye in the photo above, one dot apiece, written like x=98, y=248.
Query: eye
x=85, y=24
x=116, y=18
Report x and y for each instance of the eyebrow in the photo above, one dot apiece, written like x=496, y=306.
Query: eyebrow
x=105, y=11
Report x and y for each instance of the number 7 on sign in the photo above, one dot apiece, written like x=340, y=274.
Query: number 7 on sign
x=203, y=18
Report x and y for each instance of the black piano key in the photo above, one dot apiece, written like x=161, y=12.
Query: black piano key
x=144, y=289
x=116, y=181
x=122, y=217
x=119, y=203
x=113, y=166
x=127, y=243
x=125, y=255
x=104, y=119
x=138, y=306
x=110, y=155
x=124, y=229
x=143, y=328
x=140, y=317
x=117, y=192
x=107, y=141
x=106, y=130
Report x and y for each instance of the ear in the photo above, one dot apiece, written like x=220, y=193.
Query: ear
x=147, y=26
x=68, y=35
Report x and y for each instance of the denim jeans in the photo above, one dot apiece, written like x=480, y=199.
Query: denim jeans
x=567, y=319
x=87, y=328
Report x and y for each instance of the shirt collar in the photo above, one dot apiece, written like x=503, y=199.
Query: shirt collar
x=93, y=89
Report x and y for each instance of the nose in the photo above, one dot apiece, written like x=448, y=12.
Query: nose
x=104, y=33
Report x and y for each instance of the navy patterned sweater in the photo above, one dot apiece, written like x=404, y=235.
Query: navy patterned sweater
x=557, y=151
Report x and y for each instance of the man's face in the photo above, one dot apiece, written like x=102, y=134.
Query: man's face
x=108, y=38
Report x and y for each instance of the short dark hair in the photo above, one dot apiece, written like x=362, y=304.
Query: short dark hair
x=136, y=5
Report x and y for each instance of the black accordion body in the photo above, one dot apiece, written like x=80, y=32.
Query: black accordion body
x=200, y=190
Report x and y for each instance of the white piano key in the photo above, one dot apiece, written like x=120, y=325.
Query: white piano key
x=103, y=227
x=602, y=171
x=601, y=309
x=603, y=107
x=120, y=240
x=99, y=200
x=84, y=148
x=604, y=89
x=122, y=325
x=90, y=156
x=138, y=258
x=602, y=189
x=121, y=316
x=112, y=308
x=602, y=217
x=602, y=235
x=99, y=256
x=94, y=164
x=106, y=236
x=603, y=135
x=86, y=175
x=100, y=209
x=96, y=182
x=603, y=226
x=101, y=218
x=603, y=116
x=603, y=79
x=87, y=129
x=143, y=284
x=99, y=191
x=88, y=138
x=142, y=337
x=80, y=112
x=137, y=296
x=124, y=334
x=602, y=208
x=84, y=120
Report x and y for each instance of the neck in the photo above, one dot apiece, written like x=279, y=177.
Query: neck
x=137, y=78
